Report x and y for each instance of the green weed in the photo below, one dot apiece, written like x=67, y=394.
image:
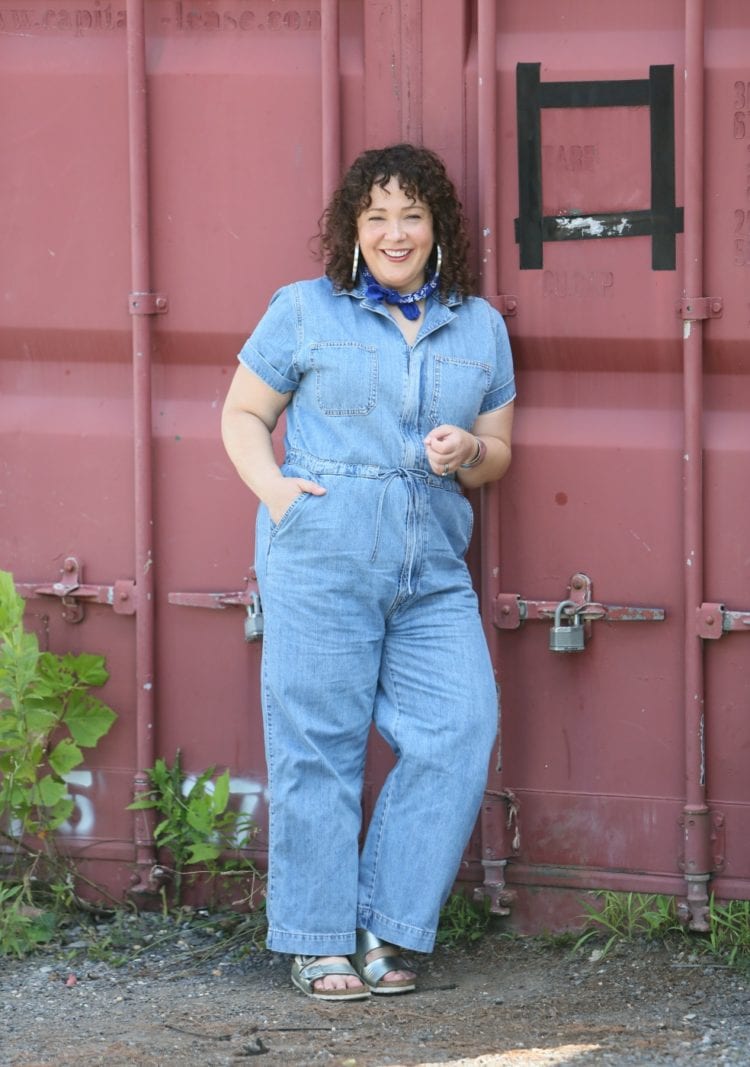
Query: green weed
x=729, y=935
x=463, y=920
x=48, y=715
x=196, y=826
x=627, y=916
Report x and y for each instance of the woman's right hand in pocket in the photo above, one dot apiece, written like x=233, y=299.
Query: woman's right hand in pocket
x=286, y=492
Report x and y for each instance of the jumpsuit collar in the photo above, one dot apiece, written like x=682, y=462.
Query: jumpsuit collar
x=437, y=312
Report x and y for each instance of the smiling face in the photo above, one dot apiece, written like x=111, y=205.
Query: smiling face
x=396, y=237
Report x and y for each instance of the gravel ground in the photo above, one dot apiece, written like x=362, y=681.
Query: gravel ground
x=153, y=991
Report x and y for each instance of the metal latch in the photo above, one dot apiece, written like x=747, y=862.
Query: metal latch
x=509, y=611
x=73, y=593
x=713, y=621
x=247, y=598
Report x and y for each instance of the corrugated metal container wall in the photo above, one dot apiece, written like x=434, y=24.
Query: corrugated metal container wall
x=164, y=168
x=629, y=758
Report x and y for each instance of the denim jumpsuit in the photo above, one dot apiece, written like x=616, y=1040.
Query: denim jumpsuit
x=370, y=615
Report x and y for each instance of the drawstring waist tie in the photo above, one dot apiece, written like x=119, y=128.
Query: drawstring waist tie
x=414, y=478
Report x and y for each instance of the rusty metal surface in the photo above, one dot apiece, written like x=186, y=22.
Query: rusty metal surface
x=251, y=110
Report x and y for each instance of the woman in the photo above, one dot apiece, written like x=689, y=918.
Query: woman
x=398, y=390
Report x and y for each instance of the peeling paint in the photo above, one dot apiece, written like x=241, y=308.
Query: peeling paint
x=687, y=328
x=588, y=226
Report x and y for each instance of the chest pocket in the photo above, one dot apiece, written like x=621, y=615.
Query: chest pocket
x=459, y=387
x=345, y=377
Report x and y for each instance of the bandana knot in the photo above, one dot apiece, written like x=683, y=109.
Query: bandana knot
x=406, y=301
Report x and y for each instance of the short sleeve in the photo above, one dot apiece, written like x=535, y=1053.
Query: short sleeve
x=503, y=385
x=271, y=349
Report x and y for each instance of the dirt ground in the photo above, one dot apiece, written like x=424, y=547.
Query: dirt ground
x=187, y=998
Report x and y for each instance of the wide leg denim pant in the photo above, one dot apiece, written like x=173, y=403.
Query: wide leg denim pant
x=369, y=616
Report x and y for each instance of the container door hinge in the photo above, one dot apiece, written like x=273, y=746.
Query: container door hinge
x=501, y=837
x=148, y=303
x=509, y=610
x=248, y=598
x=74, y=594
x=700, y=307
x=713, y=621
x=703, y=836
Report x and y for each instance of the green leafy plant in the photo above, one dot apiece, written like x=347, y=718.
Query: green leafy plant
x=463, y=920
x=195, y=823
x=47, y=717
x=23, y=926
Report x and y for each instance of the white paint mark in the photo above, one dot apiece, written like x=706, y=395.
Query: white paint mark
x=486, y=231
x=591, y=227
x=83, y=824
x=249, y=793
x=687, y=328
x=689, y=562
x=248, y=790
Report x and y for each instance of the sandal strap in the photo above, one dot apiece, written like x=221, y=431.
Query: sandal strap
x=310, y=970
x=373, y=972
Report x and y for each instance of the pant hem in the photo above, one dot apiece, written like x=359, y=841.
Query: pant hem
x=415, y=938
x=299, y=944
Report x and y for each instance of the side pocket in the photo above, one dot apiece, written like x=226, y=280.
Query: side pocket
x=262, y=541
x=469, y=520
x=291, y=511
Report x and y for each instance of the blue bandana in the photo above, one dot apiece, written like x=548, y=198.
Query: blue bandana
x=406, y=301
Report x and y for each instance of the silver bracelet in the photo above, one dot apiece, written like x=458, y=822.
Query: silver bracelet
x=478, y=456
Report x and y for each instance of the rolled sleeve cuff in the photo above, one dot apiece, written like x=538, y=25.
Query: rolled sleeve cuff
x=249, y=357
x=499, y=397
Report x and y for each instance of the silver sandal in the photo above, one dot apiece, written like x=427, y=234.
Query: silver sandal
x=306, y=970
x=373, y=973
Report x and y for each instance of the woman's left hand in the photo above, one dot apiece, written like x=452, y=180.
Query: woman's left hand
x=447, y=447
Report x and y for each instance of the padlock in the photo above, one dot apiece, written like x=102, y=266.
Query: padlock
x=568, y=637
x=254, y=619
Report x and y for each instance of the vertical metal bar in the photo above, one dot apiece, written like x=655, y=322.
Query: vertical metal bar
x=696, y=815
x=143, y=506
x=410, y=47
x=331, y=96
x=487, y=136
x=487, y=187
x=495, y=846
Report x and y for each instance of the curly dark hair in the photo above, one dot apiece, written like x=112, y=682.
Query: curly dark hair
x=422, y=175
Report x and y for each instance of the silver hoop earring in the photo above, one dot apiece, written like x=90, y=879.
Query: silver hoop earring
x=355, y=262
x=439, y=261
